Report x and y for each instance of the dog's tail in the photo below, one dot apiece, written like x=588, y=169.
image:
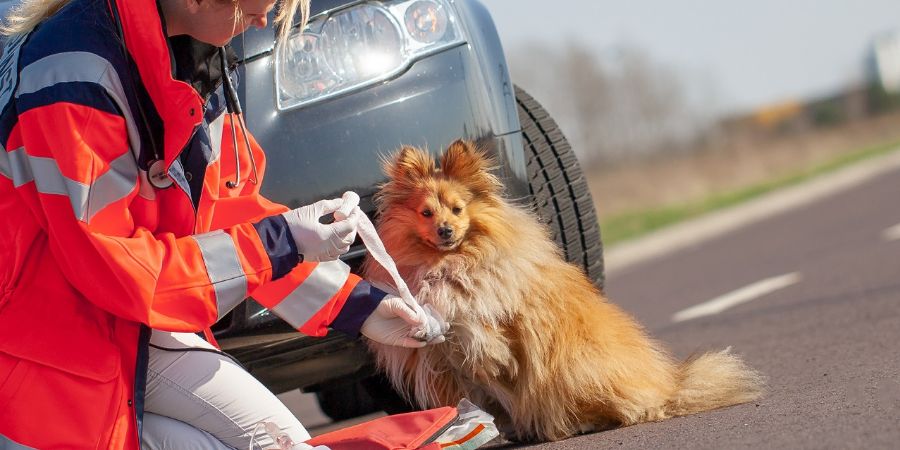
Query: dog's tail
x=713, y=380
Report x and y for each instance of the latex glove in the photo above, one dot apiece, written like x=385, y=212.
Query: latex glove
x=394, y=323
x=317, y=241
x=434, y=327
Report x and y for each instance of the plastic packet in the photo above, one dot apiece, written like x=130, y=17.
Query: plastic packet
x=472, y=429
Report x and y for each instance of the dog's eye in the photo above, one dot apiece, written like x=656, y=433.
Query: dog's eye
x=457, y=210
x=427, y=213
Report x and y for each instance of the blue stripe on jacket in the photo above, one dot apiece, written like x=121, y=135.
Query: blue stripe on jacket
x=80, y=93
x=279, y=244
x=359, y=306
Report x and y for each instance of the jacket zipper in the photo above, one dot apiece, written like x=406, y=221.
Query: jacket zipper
x=139, y=390
x=205, y=103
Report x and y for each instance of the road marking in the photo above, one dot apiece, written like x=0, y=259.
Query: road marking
x=734, y=298
x=892, y=233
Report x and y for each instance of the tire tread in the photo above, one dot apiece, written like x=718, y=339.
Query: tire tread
x=561, y=196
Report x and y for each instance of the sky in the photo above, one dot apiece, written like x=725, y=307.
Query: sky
x=755, y=52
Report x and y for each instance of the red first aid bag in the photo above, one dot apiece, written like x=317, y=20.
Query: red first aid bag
x=465, y=427
x=410, y=431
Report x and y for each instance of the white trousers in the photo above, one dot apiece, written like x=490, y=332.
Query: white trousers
x=189, y=391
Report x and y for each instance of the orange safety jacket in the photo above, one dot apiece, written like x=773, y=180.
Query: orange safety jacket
x=93, y=255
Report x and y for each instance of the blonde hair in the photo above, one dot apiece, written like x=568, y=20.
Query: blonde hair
x=26, y=15
x=23, y=17
x=284, y=18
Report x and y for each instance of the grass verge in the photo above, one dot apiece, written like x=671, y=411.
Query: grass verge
x=633, y=224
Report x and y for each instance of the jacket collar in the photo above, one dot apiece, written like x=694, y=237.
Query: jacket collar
x=179, y=106
x=198, y=63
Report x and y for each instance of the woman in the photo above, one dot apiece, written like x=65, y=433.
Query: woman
x=124, y=210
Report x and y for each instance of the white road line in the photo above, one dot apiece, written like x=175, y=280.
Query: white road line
x=734, y=298
x=892, y=233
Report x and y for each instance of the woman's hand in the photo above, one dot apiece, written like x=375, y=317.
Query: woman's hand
x=317, y=241
x=394, y=323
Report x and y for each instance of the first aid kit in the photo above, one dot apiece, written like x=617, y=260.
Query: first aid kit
x=464, y=427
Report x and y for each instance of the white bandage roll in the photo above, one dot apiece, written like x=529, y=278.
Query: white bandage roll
x=351, y=200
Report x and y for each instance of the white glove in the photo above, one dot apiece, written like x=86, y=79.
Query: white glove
x=395, y=323
x=435, y=327
x=317, y=241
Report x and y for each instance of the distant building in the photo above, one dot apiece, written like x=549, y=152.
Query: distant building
x=887, y=61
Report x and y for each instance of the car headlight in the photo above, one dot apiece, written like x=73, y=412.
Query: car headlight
x=366, y=43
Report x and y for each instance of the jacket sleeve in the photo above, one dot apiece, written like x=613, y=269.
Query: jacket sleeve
x=74, y=168
x=312, y=296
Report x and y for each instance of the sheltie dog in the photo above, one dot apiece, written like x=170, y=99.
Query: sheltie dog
x=531, y=339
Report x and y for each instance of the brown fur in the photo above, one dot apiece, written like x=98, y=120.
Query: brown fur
x=531, y=340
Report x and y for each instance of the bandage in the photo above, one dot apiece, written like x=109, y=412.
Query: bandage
x=351, y=201
x=432, y=327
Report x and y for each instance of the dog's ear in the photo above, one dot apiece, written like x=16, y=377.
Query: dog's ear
x=465, y=163
x=409, y=164
x=462, y=161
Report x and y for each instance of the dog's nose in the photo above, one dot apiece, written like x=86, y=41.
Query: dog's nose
x=445, y=232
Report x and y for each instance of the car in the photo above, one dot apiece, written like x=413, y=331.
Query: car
x=361, y=80
x=364, y=78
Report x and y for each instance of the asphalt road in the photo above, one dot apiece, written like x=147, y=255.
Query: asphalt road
x=826, y=333
x=810, y=297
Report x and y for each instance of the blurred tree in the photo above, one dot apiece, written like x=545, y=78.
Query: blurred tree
x=880, y=100
x=613, y=109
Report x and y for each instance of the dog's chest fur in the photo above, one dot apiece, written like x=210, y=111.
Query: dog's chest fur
x=481, y=303
x=479, y=348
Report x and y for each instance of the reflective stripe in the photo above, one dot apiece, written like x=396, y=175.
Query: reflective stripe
x=8, y=444
x=215, y=137
x=49, y=180
x=85, y=67
x=317, y=290
x=145, y=190
x=223, y=268
x=5, y=164
x=9, y=163
x=87, y=200
x=114, y=185
x=176, y=171
x=14, y=166
x=9, y=67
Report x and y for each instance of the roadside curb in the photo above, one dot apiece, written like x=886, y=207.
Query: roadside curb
x=622, y=256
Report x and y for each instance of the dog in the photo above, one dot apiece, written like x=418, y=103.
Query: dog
x=531, y=340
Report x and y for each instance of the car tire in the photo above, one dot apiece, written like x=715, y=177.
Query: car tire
x=361, y=397
x=560, y=192
x=346, y=401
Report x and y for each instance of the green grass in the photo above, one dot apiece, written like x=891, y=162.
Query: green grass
x=633, y=224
